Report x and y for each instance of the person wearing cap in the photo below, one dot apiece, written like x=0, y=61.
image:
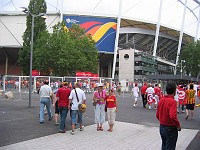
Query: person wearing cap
x=99, y=97
x=76, y=97
x=63, y=101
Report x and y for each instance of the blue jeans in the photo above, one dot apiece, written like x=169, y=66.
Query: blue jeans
x=74, y=113
x=63, y=115
x=45, y=102
x=169, y=137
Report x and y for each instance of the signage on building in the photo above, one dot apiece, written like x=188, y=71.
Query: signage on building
x=102, y=30
x=86, y=74
x=35, y=73
x=83, y=74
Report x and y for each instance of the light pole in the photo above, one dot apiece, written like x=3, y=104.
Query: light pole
x=26, y=10
x=182, y=68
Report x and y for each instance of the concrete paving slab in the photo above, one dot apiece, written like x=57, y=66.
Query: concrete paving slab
x=126, y=136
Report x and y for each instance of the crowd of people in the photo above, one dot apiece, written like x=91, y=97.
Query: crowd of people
x=183, y=96
x=70, y=100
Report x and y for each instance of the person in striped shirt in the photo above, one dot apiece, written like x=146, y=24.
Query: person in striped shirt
x=190, y=102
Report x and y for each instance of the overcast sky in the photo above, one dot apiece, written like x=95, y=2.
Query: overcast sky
x=144, y=10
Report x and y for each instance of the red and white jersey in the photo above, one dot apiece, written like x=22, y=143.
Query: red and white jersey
x=181, y=94
x=150, y=95
x=150, y=90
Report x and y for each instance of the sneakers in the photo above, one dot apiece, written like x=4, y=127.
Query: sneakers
x=134, y=105
x=51, y=118
x=61, y=131
x=149, y=107
x=56, y=124
x=81, y=129
x=183, y=111
x=72, y=132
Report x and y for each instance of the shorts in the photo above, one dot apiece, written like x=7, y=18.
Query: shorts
x=56, y=108
x=190, y=106
x=74, y=114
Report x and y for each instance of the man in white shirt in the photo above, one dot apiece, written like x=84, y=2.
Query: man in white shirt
x=45, y=100
x=75, y=100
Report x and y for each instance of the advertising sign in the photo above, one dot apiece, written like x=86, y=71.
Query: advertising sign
x=102, y=30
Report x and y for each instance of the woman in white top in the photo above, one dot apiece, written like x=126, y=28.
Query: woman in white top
x=135, y=91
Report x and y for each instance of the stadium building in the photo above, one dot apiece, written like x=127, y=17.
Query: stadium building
x=135, y=39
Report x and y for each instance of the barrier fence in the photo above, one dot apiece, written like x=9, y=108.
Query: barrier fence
x=20, y=84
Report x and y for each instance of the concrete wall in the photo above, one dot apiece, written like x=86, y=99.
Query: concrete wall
x=12, y=28
x=126, y=66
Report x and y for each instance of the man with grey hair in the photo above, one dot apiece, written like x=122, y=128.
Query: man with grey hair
x=45, y=100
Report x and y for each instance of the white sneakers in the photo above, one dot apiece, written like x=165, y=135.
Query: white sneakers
x=134, y=105
x=80, y=129
x=149, y=107
x=72, y=132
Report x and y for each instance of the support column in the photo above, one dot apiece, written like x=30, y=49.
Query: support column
x=157, y=29
x=180, y=37
x=4, y=83
x=35, y=82
x=110, y=69
x=6, y=67
x=49, y=81
x=61, y=10
x=126, y=38
x=20, y=81
x=197, y=28
x=116, y=39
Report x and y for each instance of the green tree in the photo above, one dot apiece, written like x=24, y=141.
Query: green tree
x=66, y=51
x=35, y=7
x=191, y=55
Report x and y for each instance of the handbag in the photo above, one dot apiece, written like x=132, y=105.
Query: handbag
x=94, y=103
x=80, y=108
x=105, y=109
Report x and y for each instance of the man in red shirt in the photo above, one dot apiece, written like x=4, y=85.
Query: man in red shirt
x=167, y=115
x=143, y=94
x=157, y=94
x=62, y=97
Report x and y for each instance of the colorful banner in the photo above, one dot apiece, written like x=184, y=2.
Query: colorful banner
x=102, y=30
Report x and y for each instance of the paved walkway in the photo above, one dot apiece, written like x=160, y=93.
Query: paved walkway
x=124, y=137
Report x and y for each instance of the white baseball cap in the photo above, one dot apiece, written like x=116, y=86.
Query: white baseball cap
x=100, y=84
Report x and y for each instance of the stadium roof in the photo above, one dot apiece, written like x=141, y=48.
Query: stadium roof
x=145, y=11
